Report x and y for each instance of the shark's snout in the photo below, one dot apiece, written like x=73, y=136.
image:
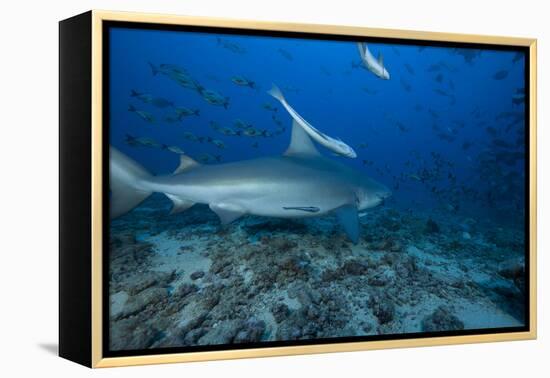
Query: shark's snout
x=386, y=193
x=372, y=195
x=383, y=195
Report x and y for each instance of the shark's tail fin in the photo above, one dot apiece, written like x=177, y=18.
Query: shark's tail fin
x=276, y=93
x=126, y=179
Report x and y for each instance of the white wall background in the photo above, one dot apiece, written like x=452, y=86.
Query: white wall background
x=28, y=185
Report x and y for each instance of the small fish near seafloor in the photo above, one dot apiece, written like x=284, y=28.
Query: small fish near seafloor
x=253, y=132
x=143, y=142
x=159, y=102
x=405, y=85
x=286, y=186
x=192, y=137
x=231, y=46
x=269, y=107
x=239, y=123
x=519, y=96
x=216, y=142
x=227, y=131
x=468, y=54
x=500, y=75
x=166, y=69
x=208, y=158
x=186, y=112
x=146, y=116
x=243, y=82
x=170, y=119
x=518, y=100
x=277, y=120
x=369, y=91
x=175, y=73
x=518, y=56
x=285, y=54
x=213, y=97
x=335, y=145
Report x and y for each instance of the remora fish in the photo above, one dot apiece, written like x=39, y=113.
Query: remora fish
x=376, y=66
x=300, y=183
x=335, y=145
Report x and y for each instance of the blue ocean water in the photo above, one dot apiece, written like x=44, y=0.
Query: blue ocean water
x=396, y=126
x=446, y=133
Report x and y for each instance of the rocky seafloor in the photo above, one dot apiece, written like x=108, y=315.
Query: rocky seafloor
x=183, y=280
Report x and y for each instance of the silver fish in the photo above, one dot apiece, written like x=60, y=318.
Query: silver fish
x=146, y=116
x=214, y=97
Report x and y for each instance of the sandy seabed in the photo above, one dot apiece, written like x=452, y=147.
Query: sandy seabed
x=183, y=280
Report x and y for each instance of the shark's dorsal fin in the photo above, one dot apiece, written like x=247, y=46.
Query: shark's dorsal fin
x=300, y=143
x=186, y=163
x=381, y=59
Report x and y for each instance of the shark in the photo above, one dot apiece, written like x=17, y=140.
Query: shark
x=300, y=183
x=376, y=66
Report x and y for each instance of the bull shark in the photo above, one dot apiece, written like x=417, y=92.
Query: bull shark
x=298, y=184
x=376, y=66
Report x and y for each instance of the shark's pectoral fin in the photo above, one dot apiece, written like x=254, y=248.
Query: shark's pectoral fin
x=179, y=204
x=227, y=212
x=347, y=215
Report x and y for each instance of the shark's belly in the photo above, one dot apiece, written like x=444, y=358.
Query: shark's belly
x=293, y=200
x=270, y=198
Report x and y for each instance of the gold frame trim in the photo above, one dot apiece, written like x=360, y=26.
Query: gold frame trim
x=99, y=16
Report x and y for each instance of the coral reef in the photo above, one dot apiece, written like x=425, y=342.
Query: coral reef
x=184, y=280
